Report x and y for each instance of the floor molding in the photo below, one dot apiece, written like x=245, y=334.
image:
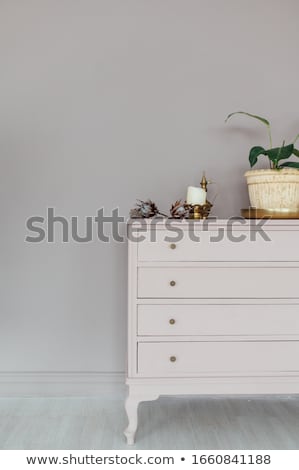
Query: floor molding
x=34, y=384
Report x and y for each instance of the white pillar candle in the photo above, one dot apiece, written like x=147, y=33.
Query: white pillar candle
x=196, y=196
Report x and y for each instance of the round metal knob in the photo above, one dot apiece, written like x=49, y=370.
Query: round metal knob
x=172, y=321
x=172, y=283
x=173, y=246
x=172, y=358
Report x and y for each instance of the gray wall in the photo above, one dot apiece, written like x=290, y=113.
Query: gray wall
x=102, y=102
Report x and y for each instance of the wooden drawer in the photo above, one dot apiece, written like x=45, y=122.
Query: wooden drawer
x=218, y=320
x=218, y=282
x=252, y=248
x=246, y=358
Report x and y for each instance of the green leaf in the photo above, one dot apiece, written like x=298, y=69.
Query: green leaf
x=280, y=153
x=263, y=120
x=255, y=116
x=254, y=153
x=296, y=152
x=289, y=165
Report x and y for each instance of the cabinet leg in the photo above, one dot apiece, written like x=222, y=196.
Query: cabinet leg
x=131, y=406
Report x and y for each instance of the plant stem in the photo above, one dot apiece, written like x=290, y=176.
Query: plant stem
x=270, y=139
x=270, y=135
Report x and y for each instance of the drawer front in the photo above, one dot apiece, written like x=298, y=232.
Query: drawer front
x=178, y=359
x=218, y=282
x=219, y=246
x=218, y=320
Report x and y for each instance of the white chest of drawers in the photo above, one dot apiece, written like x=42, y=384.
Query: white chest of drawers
x=213, y=308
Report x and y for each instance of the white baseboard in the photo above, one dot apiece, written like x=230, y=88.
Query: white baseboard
x=40, y=384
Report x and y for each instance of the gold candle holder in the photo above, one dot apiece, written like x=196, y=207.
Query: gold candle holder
x=198, y=212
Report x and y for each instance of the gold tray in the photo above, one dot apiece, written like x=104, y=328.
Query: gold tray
x=253, y=213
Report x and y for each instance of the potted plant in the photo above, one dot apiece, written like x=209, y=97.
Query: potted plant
x=276, y=188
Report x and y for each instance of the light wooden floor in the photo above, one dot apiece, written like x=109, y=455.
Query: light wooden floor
x=169, y=423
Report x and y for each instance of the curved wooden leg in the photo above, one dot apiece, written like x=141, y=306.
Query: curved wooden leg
x=131, y=406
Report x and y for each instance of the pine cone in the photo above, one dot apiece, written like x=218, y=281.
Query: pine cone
x=134, y=213
x=144, y=209
x=179, y=210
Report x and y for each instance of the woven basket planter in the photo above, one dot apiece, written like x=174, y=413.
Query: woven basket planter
x=276, y=190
